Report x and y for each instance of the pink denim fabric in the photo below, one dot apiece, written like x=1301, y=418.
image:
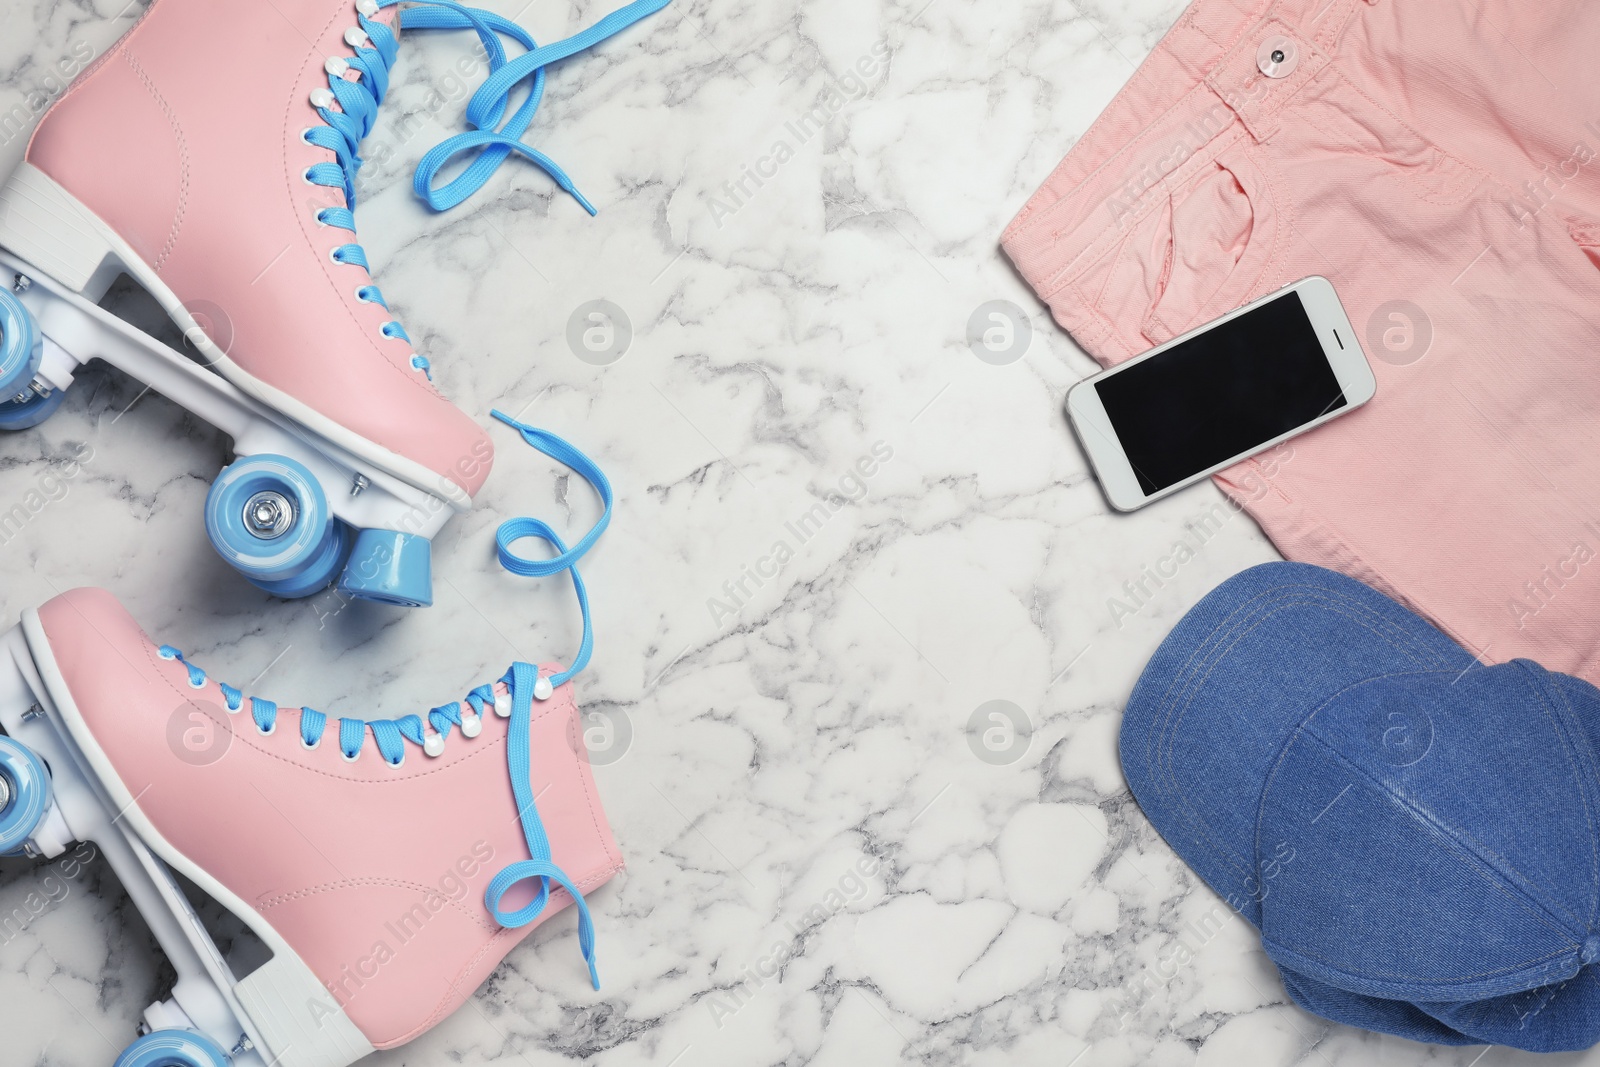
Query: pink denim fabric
x=1439, y=162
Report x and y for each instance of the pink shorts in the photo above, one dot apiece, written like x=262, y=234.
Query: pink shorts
x=1439, y=162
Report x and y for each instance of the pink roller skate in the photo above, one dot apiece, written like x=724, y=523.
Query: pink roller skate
x=211, y=155
x=388, y=865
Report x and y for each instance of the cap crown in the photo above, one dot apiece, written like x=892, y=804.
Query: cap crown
x=1444, y=830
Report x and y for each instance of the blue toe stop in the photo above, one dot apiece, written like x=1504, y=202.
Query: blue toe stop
x=391, y=568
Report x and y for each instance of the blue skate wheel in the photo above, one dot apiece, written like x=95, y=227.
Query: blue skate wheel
x=26, y=785
x=268, y=517
x=173, y=1048
x=391, y=568
x=26, y=414
x=320, y=574
x=21, y=348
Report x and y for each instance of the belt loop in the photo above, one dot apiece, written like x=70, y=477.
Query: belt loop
x=1266, y=68
x=1334, y=21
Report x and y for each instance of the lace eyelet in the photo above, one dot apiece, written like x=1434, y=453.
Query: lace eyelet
x=471, y=725
x=318, y=219
x=347, y=757
x=313, y=746
x=543, y=689
x=396, y=762
x=305, y=176
x=269, y=731
x=232, y=710
x=433, y=744
x=502, y=704
x=368, y=8
x=192, y=685
x=323, y=98
x=162, y=653
x=333, y=254
x=305, y=137
x=361, y=295
x=357, y=38
x=336, y=66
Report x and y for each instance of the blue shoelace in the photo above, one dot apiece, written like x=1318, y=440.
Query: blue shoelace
x=376, y=46
x=524, y=684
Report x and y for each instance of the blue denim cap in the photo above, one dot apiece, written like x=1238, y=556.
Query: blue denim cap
x=1416, y=836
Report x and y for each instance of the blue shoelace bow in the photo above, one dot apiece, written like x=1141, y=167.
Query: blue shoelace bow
x=524, y=684
x=376, y=46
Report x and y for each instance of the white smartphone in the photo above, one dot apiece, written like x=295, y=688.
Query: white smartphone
x=1220, y=394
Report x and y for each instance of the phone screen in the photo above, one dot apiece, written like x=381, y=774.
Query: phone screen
x=1221, y=394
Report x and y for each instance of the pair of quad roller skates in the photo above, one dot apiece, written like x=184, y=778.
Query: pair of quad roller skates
x=211, y=155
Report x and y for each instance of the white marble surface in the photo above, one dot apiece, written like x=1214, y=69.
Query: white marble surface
x=1012, y=913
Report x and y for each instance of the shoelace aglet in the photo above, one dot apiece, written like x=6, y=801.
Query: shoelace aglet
x=594, y=974
x=572, y=190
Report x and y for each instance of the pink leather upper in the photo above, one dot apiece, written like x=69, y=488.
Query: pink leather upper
x=375, y=875
x=186, y=140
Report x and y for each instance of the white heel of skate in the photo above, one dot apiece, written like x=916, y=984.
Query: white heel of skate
x=297, y=509
x=56, y=788
x=45, y=225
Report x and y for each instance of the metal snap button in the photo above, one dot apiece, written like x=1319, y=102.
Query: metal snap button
x=1278, y=57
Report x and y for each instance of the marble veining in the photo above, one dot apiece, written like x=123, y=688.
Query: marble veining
x=841, y=537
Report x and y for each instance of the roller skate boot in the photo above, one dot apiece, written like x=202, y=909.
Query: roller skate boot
x=387, y=865
x=211, y=155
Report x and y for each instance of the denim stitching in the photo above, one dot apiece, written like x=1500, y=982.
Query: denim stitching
x=1097, y=249
x=1126, y=150
x=1547, y=689
x=1187, y=678
x=1166, y=762
x=1333, y=26
x=1275, y=595
x=1455, y=191
x=1200, y=89
x=1474, y=849
x=1276, y=99
x=1092, y=251
x=1117, y=252
x=1533, y=907
x=1532, y=964
x=1283, y=208
x=1171, y=715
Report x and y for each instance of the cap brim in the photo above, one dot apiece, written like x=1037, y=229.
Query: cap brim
x=1229, y=686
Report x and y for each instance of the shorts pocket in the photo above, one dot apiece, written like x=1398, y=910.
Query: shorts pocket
x=1215, y=238
x=1358, y=137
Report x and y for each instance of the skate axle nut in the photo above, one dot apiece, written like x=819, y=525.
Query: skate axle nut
x=268, y=515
